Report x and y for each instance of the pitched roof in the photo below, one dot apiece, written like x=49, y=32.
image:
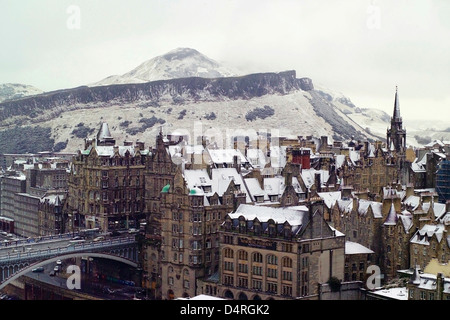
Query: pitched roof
x=104, y=133
x=356, y=248
x=392, y=217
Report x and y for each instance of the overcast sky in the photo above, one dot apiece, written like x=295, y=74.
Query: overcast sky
x=362, y=48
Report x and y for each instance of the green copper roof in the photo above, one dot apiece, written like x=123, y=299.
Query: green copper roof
x=166, y=188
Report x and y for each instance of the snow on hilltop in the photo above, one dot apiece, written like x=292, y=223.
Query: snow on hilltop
x=11, y=91
x=178, y=63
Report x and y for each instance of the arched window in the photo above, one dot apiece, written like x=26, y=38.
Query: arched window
x=286, y=262
x=228, y=253
x=242, y=255
x=257, y=257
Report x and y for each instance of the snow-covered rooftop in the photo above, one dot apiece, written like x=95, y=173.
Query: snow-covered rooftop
x=356, y=248
x=294, y=217
x=399, y=293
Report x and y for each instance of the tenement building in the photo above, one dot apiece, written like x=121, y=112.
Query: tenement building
x=192, y=208
x=106, y=184
x=278, y=253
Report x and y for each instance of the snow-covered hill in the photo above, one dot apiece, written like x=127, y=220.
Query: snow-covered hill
x=10, y=91
x=185, y=91
x=178, y=63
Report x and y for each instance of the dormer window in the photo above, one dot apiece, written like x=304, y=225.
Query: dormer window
x=259, y=198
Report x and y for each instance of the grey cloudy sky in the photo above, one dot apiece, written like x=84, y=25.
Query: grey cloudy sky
x=362, y=48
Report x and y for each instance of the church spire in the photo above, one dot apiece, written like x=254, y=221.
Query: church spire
x=396, y=105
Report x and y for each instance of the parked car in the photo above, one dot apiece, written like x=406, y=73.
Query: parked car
x=38, y=269
x=52, y=273
x=59, y=262
x=56, y=269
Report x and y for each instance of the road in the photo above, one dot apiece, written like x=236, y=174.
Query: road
x=89, y=284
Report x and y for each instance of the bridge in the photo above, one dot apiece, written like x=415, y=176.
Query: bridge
x=21, y=258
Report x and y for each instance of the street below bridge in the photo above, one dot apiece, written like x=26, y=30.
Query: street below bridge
x=91, y=282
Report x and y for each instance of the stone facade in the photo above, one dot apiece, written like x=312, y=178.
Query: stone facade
x=264, y=259
x=106, y=185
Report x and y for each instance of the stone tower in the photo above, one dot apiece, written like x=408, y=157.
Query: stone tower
x=396, y=135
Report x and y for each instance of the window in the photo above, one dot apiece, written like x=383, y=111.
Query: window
x=242, y=255
x=305, y=262
x=228, y=253
x=286, y=291
x=229, y=266
x=272, y=287
x=170, y=280
x=243, y=268
x=257, y=257
x=287, y=275
x=257, y=285
x=228, y=280
x=243, y=282
x=306, y=247
x=272, y=259
x=423, y=295
x=286, y=262
x=257, y=271
x=361, y=266
x=272, y=273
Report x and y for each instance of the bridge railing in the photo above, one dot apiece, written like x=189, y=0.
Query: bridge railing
x=39, y=239
x=20, y=256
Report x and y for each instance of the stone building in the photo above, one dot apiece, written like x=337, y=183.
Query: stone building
x=427, y=286
x=430, y=240
x=51, y=218
x=278, y=253
x=384, y=227
x=106, y=184
x=192, y=209
x=159, y=174
x=357, y=259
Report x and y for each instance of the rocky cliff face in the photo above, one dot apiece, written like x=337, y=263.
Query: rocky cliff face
x=49, y=105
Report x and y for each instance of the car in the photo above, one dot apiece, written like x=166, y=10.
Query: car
x=77, y=238
x=52, y=273
x=56, y=269
x=77, y=241
x=108, y=290
x=38, y=269
x=132, y=230
x=101, y=238
x=58, y=262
